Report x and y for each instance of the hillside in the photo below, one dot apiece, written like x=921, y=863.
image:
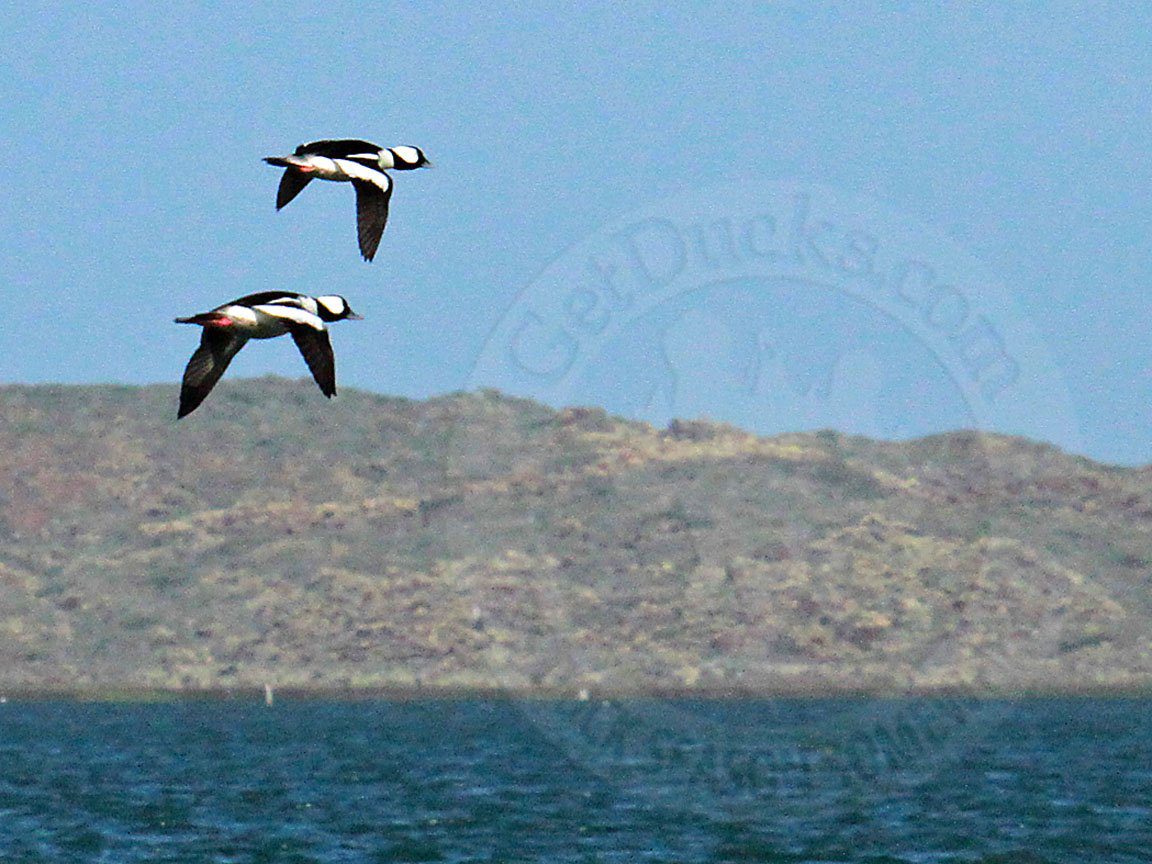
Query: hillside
x=476, y=540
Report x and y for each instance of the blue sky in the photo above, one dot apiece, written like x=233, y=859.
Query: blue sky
x=1008, y=147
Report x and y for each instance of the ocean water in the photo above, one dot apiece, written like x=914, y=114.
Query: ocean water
x=844, y=780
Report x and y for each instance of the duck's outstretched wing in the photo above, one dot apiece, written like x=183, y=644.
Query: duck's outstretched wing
x=372, y=197
x=291, y=184
x=207, y=364
x=316, y=349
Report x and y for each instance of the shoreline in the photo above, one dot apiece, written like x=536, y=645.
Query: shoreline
x=128, y=694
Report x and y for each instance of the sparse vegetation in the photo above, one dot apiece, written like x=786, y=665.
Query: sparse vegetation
x=476, y=540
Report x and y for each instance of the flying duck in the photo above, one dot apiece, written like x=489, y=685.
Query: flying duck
x=262, y=316
x=350, y=160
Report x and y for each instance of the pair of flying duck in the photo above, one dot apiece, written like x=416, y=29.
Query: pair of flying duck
x=273, y=313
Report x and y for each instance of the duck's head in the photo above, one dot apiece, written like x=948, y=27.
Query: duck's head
x=406, y=157
x=333, y=307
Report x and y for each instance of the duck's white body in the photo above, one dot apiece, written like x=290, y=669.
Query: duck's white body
x=268, y=317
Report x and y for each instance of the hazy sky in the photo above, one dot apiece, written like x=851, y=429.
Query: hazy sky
x=785, y=216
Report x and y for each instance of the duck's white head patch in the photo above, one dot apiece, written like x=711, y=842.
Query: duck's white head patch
x=408, y=155
x=334, y=303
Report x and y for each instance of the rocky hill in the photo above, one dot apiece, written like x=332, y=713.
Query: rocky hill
x=476, y=540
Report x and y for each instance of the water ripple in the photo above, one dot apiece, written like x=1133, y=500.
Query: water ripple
x=465, y=781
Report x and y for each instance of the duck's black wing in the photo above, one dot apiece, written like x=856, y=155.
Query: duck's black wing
x=338, y=148
x=371, y=212
x=207, y=364
x=316, y=348
x=292, y=183
x=262, y=297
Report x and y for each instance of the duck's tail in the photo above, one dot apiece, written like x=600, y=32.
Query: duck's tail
x=202, y=319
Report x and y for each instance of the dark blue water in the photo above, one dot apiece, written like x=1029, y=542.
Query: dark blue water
x=774, y=780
